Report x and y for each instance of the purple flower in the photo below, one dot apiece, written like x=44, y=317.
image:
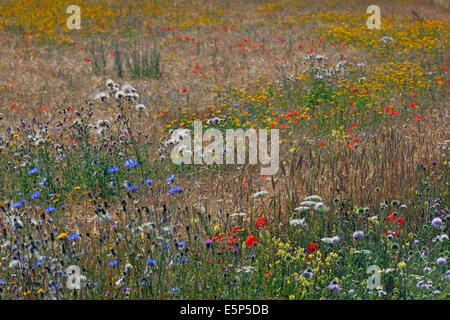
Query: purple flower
x=441, y=262
x=307, y=274
x=334, y=287
x=436, y=223
x=381, y=293
x=358, y=235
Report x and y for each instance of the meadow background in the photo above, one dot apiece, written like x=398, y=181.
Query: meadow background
x=363, y=179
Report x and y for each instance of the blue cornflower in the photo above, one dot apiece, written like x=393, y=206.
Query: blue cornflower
x=150, y=261
x=50, y=210
x=35, y=195
x=18, y=204
x=113, y=170
x=126, y=184
x=175, y=190
x=55, y=287
x=130, y=163
x=74, y=237
x=170, y=179
x=181, y=243
x=43, y=182
x=2, y=282
x=144, y=283
x=112, y=263
x=175, y=290
x=38, y=264
x=132, y=188
x=33, y=171
x=149, y=181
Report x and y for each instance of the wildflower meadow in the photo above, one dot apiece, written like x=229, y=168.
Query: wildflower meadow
x=236, y=150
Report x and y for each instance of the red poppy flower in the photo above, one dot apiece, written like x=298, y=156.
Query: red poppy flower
x=232, y=240
x=260, y=223
x=312, y=248
x=391, y=217
x=251, y=240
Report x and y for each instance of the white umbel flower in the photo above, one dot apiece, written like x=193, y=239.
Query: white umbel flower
x=239, y=214
x=297, y=222
x=333, y=241
x=308, y=204
x=259, y=194
x=313, y=197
